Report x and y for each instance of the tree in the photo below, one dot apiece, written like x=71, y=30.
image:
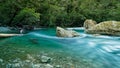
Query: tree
x=26, y=16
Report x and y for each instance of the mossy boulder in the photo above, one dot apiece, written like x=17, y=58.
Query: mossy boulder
x=106, y=28
x=61, y=32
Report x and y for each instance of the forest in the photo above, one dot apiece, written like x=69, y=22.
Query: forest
x=52, y=13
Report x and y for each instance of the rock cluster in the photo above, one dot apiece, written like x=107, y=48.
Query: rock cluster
x=30, y=62
x=106, y=28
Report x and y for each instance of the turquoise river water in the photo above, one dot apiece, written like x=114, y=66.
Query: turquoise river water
x=86, y=51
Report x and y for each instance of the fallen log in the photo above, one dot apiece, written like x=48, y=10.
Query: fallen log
x=9, y=35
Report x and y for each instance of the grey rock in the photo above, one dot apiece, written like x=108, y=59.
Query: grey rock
x=16, y=60
x=48, y=66
x=58, y=66
x=1, y=60
x=16, y=65
x=9, y=65
x=13, y=65
x=45, y=59
x=31, y=57
x=27, y=61
x=37, y=66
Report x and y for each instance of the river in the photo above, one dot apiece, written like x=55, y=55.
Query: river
x=86, y=51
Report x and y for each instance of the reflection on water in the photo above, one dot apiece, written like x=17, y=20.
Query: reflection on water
x=100, y=51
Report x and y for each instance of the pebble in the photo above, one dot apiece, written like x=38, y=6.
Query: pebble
x=58, y=66
x=27, y=61
x=16, y=65
x=36, y=66
x=48, y=66
x=45, y=59
x=9, y=65
x=1, y=60
x=31, y=57
x=16, y=60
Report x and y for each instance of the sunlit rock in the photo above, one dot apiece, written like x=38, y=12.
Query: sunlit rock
x=106, y=27
x=89, y=23
x=66, y=33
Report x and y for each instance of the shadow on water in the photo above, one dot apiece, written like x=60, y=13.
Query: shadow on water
x=102, y=51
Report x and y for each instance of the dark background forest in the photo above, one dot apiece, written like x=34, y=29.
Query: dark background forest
x=51, y=13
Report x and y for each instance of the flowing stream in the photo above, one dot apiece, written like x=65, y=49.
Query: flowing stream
x=86, y=51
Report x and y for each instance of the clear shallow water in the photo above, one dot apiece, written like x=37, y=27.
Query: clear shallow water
x=98, y=51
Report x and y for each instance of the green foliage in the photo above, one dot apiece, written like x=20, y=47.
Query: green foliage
x=10, y=8
x=27, y=16
x=57, y=12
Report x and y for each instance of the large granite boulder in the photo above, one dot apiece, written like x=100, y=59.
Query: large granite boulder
x=106, y=28
x=66, y=33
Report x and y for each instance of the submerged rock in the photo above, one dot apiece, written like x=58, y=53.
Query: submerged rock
x=27, y=61
x=1, y=60
x=16, y=65
x=13, y=65
x=58, y=66
x=106, y=28
x=37, y=66
x=31, y=58
x=48, y=66
x=66, y=33
x=16, y=60
x=45, y=59
x=41, y=66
